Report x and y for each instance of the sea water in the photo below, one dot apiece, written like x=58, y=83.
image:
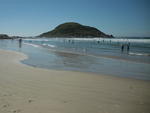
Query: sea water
x=96, y=55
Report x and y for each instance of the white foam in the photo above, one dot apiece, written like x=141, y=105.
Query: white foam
x=37, y=40
x=49, y=45
x=31, y=44
x=122, y=40
x=113, y=40
x=139, y=54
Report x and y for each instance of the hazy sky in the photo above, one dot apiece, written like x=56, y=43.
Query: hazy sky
x=117, y=17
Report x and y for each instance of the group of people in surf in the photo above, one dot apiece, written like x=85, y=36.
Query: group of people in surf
x=125, y=45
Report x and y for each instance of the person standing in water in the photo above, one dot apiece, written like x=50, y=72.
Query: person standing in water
x=122, y=47
x=128, y=47
x=20, y=43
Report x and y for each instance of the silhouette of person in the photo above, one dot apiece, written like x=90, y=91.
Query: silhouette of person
x=122, y=48
x=128, y=47
x=20, y=43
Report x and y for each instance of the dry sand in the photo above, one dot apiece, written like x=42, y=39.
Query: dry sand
x=25, y=89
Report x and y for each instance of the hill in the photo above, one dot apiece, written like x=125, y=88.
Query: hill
x=72, y=29
x=4, y=36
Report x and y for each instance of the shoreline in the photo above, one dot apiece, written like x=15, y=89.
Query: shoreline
x=74, y=53
x=24, y=57
x=88, y=54
x=25, y=89
x=75, y=62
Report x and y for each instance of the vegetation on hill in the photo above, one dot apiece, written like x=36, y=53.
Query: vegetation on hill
x=72, y=29
x=4, y=36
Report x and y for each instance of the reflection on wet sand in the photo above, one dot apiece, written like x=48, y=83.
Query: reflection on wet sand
x=74, y=60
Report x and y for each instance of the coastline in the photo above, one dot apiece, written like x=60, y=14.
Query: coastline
x=26, y=89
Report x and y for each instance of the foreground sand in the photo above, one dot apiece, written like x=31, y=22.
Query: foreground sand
x=25, y=89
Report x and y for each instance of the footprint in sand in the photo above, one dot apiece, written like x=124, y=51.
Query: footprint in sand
x=65, y=101
x=29, y=101
x=16, y=111
x=6, y=105
x=7, y=95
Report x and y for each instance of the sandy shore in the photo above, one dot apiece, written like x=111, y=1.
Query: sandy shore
x=25, y=89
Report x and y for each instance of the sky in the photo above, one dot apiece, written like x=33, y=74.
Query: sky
x=116, y=17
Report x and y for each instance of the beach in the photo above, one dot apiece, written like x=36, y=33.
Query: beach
x=26, y=89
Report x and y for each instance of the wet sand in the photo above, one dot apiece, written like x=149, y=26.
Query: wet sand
x=25, y=89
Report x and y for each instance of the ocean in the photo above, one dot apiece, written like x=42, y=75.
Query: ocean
x=95, y=55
